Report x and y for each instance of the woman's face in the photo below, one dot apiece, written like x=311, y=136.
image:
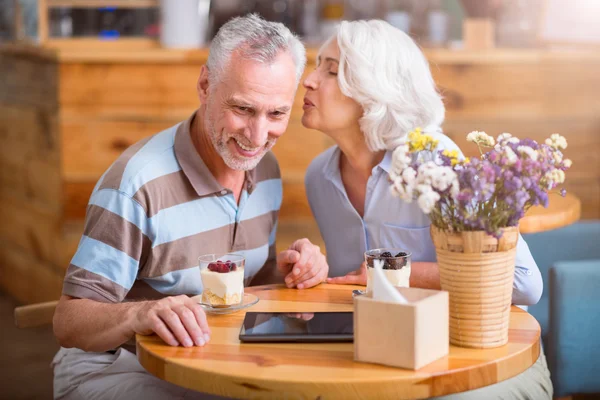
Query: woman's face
x=325, y=107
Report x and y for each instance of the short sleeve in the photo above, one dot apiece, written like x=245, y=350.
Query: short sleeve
x=114, y=244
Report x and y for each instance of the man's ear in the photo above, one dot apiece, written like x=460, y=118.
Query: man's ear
x=202, y=85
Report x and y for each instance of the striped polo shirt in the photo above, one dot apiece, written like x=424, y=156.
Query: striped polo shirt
x=157, y=209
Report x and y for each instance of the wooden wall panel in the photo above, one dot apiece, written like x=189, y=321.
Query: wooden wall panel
x=526, y=91
x=588, y=191
x=32, y=229
x=28, y=78
x=117, y=91
x=26, y=278
x=298, y=146
x=583, y=139
x=30, y=180
x=91, y=145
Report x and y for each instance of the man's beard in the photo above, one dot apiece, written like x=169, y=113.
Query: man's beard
x=231, y=159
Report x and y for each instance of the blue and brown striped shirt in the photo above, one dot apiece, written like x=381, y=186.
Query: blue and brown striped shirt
x=157, y=209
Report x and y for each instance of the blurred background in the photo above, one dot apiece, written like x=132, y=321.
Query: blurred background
x=80, y=81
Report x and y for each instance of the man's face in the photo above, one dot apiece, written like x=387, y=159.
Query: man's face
x=249, y=109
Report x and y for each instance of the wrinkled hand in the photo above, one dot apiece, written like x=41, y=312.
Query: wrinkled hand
x=358, y=277
x=303, y=265
x=178, y=320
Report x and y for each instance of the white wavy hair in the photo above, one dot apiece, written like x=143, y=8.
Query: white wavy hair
x=383, y=70
x=255, y=39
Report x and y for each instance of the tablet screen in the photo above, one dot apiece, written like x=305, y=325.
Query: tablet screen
x=297, y=327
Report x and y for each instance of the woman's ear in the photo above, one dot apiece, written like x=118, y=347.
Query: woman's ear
x=202, y=85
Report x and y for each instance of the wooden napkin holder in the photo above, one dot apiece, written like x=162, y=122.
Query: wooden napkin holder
x=402, y=335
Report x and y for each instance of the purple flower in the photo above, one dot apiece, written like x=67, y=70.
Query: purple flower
x=529, y=143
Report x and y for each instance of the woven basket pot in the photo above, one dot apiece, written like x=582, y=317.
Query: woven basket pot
x=478, y=271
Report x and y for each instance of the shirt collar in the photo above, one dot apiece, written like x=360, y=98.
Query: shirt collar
x=331, y=169
x=194, y=168
x=202, y=180
x=386, y=163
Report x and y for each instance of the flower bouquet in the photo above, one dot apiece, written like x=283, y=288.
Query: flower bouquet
x=475, y=206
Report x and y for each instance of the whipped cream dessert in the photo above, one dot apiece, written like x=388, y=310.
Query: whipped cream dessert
x=223, y=283
x=397, y=277
x=396, y=268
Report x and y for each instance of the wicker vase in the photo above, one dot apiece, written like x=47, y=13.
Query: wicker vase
x=478, y=271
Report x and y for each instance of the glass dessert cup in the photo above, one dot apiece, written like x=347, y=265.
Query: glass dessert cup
x=396, y=266
x=222, y=279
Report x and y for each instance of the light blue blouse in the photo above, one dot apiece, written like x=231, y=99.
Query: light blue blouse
x=387, y=222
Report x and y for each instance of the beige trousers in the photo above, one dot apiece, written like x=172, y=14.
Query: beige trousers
x=79, y=375
x=533, y=384
x=103, y=376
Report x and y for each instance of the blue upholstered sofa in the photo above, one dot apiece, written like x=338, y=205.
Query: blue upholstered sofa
x=569, y=310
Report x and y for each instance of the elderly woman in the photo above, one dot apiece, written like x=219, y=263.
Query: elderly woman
x=371, y=86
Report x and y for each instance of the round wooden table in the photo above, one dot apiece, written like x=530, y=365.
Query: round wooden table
x=326, y=370
x=561, y=211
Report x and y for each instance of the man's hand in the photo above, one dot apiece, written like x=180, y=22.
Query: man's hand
x=358, y=277
x=176, y=319
x=303, y=265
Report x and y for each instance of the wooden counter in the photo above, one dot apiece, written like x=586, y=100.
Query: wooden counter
x=66, y=115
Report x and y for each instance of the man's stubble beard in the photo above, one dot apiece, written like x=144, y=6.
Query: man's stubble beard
x=233, y=161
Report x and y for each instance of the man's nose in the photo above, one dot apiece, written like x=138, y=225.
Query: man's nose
x=259, y=131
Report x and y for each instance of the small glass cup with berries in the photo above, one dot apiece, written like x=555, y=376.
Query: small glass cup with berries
x=396, y=266
x=222, y=279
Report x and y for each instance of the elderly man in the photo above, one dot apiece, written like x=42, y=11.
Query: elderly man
x=206, y=185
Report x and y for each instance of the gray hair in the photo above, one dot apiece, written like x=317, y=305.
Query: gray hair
x=255, y=39
x=383, y=70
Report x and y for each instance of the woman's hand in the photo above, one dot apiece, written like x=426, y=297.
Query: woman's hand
x=303, y=265
x=358, y=277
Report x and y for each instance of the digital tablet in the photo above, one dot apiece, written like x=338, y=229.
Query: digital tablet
x=297, y=327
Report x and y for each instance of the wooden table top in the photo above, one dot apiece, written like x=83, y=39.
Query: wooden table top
x=326, y=370
x=561, y=211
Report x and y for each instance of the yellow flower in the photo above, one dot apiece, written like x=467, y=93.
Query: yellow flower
x=418, y=141
x=452, y=155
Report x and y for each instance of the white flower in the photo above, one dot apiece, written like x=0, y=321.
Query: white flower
x=530, y=152
x=443, y=178
x=557, y=156
x=481, y=138
x=404, y=192
x=427, y=201
x=455, y=189
x=557, y=141
x=409, y=175
x=472, y=136
x=567, y=163
x=400, y=158
x=510, y=155
x=556, y=176
x=560, y=176
x=503, y=137
x=426, y=172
